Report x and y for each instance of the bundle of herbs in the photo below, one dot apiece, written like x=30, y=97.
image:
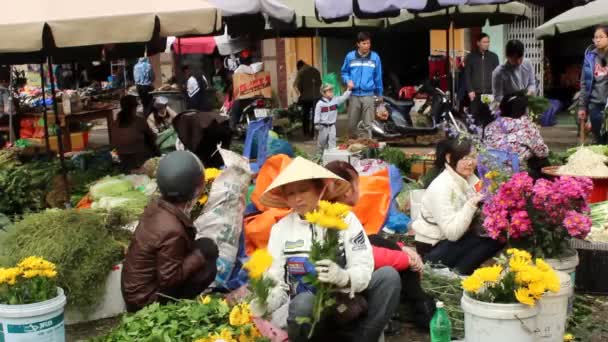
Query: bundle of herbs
x=84, y=244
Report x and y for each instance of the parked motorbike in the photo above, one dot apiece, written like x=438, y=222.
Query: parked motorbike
x=255, y=108
x=437, y=113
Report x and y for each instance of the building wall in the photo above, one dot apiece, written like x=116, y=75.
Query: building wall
x=497, y=40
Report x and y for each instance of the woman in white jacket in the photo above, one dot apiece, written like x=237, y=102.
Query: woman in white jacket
x=300, y=186
x=446, y=233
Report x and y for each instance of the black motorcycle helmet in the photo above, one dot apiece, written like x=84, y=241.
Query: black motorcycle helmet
x=179, y=175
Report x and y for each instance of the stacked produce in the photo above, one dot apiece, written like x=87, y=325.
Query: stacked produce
x=586, y=163
x=84, y=244
x=127, y=192
x=599, y=217
x=23, y=186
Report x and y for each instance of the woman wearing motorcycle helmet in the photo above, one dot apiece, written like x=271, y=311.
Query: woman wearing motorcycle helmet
x=164, y=260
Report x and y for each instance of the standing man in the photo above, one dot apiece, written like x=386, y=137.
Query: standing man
x=479, y=66
x=307, y=85
x=143, y=74
x=362, y=72
x=516, y=75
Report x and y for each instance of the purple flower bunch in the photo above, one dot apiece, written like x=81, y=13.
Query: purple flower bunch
x=520, y=206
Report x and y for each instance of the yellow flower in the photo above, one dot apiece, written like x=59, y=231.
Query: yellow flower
x=259, y=263
x=211, y=174
x=203, y=199
x=31, y=273
x=543, y=266
x=492, y=174
x=9, y=275
x=334, y=209
x=551, y=281
x=313, y=217
x=537, y=289
x=518, y=264
x=36, y=263
x=240, y=315
x=523, y=296
x=568, y=337
x=489, y=274
x=530, y=274
x=205, y=300
x=519, y=253
x=472, y=284
x=332, y=222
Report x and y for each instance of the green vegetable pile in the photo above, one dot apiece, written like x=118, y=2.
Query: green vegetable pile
x=397, y=157
x=538, y=105
x=23, y=186
x=84, y=244
x=183, y=320
x=110, y=193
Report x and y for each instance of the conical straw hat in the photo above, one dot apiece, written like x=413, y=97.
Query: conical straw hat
x=298, y=170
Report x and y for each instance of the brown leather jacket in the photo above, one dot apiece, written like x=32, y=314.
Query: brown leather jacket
x=161, y=256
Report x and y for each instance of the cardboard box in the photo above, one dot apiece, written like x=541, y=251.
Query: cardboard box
x=79, y=142
x=247, y=86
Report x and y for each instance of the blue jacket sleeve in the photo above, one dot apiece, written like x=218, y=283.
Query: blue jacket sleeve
x=345, y=71
x=378, y=77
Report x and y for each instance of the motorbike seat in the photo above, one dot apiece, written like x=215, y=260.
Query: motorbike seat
x=400, y=104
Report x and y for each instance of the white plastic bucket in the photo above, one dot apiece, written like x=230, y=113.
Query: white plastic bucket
x=38, y=322
x=551, y=319
x=416, y=203
x=485, y=322
x=567, y=265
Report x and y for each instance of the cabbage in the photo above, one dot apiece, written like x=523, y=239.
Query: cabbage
x=134, y=201
x=110, y=187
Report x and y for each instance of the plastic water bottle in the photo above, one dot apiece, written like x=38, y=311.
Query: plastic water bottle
x=441, y=327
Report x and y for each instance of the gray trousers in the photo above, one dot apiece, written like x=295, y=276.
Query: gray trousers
x=360, y=109
x=382, y=297
x=326, y=138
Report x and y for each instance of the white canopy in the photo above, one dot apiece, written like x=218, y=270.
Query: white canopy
x=578, y=18
x=87, y=22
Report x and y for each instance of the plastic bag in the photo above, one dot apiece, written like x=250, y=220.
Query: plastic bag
x=256, y=142
x=166, y=140
x=222, y=217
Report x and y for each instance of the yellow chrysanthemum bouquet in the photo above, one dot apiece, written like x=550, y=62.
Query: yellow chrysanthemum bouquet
x=516, y=278
x=211, y=175
x=260, y=284
x=330, y=216
x=31, y=281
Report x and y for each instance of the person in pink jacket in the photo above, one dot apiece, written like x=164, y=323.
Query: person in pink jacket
x=403, y=259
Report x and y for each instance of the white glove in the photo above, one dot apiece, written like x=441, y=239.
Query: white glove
x=276, y=298
x=329, y=272
x=257, y=309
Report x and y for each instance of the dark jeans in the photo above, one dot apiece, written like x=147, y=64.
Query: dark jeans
x=308, y=107
x=189, y=289
x=464, y=255
x=144, y=96
x=382, y=296
x=596, y=116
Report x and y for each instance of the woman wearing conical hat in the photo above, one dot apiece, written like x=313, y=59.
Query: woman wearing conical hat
x=372, y=295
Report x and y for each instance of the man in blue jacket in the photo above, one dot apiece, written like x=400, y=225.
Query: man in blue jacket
x=362, y=72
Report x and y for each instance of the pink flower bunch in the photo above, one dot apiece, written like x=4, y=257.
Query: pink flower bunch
x=577, y=224
x=520, y=204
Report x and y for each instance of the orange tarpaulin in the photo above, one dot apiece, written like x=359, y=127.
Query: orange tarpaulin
x=373, y=206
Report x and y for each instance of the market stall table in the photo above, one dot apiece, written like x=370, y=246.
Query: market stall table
x=82, y=117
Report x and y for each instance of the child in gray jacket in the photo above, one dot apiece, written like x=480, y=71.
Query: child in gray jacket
x=326, y=114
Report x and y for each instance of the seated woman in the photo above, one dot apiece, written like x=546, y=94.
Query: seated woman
x=388, y=253
x=163, y=259
x=300, y=186
x=161, y=115
x=131, y=136
x=446, y=233
x=514, y=132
